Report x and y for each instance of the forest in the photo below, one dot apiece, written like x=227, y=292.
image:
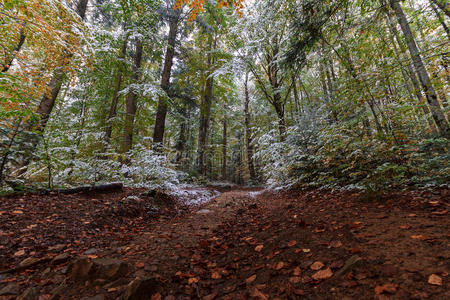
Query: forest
x=261, y=149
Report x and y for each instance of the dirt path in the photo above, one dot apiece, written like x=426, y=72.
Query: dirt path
x=288, y=245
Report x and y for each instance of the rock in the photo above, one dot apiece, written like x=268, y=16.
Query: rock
x=59, y=259
x=352, y=262
x=141, y=289
x=30, y=261
x=109, y=268
x=81, y=269
x=30, y=293
x=204, y=211
x=91, y=251
x=57, y=248
x=10, y=289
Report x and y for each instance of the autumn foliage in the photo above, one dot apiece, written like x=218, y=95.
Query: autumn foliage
x=197, y=6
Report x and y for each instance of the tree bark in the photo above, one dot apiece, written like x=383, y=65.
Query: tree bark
x=248, y=132
x=81, y=8
x=409, y=72
x=10, y=59
x=48, y=100
x=161, y=112
x=115, y=98
x=224, y=149
x=131, y=100
x=205, y=111
x=436, y=111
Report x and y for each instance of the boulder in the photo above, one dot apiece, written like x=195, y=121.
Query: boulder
x=81, y=269
x=141, y=289
x=110, y=268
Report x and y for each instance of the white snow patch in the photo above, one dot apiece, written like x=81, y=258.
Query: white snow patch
x=194, y=195
x=255, y=194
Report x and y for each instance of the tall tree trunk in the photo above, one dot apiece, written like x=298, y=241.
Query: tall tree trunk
x=9, y=60
x=436, y=111
x=48, y=100
x=205, y=111
x=248, y=131
x=81, y=8
x=296, y=97
x=224, y=149
x=161, y=112
x=131, y=100
x=115, y=98
x=443, y=5
x=181, y=142
x=409, y=72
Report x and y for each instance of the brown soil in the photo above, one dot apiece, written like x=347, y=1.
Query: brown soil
x=239, y=247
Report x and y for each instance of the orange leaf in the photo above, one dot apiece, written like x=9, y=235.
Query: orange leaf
x=323, y=274
x=216, y=275
x=250, y=279
x=140, y=265
x=279, y=265
x=292, y=243
x=317, y=266
x=259, y=248
x=388, y=288
x=434, y=279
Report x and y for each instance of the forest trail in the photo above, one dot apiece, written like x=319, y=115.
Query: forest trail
x=253, y=244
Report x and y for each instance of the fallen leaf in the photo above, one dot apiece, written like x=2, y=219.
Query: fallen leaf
x=418, y=237
x=405, y=226
x=19, y=253
x=355, y=250
x=306, y=250
x=336, y=244
x=258, y=295
x=440, y=213
x=412, y=215
x=192, y=280
x=250, y=279
x=299, y=292
x=17, y=212
x=296, y=271
x=140, y=265
x=259, y=248
x=292, y=243
x=294, y=279
x=323, y=274
x=317, y=265
x=388, y=288
x=216, y=275
x=435, y=279
x=279, y=265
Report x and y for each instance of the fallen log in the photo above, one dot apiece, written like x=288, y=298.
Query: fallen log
x=92, y=188
x=81, y=189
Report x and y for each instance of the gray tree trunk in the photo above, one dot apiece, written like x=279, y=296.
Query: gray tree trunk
x=430, y=93
x=131, y=101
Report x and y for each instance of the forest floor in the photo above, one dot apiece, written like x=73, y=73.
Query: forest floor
x=243, y=244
